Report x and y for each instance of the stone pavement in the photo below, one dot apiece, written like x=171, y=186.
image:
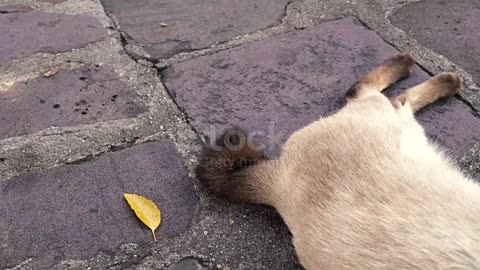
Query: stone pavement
x=98, y=98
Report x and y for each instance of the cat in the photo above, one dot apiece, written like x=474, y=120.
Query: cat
x=363, y=188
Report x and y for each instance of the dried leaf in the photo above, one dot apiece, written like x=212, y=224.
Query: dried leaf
x=146, y=211
x=51, y=72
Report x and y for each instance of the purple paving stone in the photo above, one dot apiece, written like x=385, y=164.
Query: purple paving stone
x=449, y=27
x=24, y=34
x=81, y=96
x=191, y=24
x=283, y=83
x=14, y=9
x=75, y=211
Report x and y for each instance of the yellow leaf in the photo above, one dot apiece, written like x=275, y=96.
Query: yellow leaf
x=146, y=211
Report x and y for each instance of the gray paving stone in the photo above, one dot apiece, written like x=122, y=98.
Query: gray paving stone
x=24, y=34
x=75, y=211
x=284, y=82
x=81, y=96
x=191, y=24
x=447, y=27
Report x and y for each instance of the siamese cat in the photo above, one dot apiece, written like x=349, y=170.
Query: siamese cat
x=363, y=188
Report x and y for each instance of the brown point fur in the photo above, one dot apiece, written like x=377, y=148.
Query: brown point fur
x=352, y=91
x=440, y=86
x=223, y=167
x=399, y=66
x=394, y=69
x=447, y=83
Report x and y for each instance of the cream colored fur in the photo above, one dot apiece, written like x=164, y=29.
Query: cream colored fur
x=365, y=189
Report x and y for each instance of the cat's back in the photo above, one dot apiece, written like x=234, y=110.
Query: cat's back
x=355, y=196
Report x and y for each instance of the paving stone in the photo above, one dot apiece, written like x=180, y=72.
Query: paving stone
x=75, y=211
x=14, y=8
x=191, y=24
x=447, y=27
x=24, y=34
x=282, y=83
x=81, y=96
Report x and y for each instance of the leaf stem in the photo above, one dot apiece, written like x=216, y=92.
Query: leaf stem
x=154, y=236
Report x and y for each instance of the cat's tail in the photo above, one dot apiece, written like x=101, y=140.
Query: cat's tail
x=235, y=169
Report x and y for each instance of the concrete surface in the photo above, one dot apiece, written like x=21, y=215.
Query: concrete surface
x=159, y=89
x=52, y=1
x=188, y=264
